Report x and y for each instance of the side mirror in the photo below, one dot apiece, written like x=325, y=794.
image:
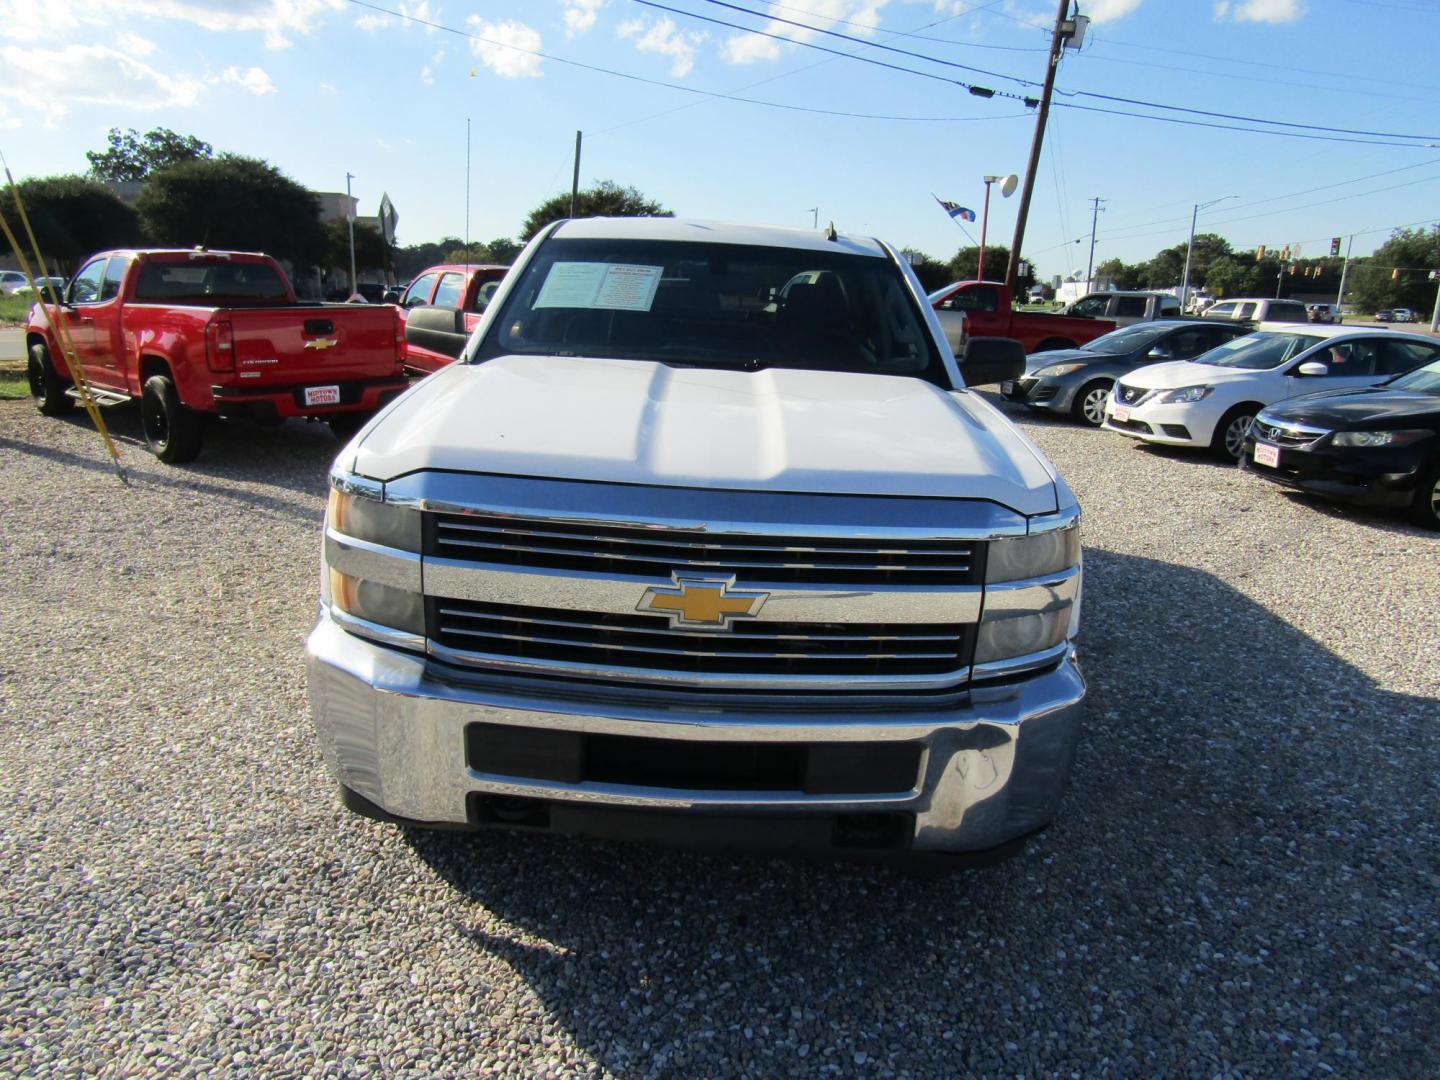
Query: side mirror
x=436, y=329
x=986, y=360
x=1159, y=352
x=390, y=296
x=1312, y=369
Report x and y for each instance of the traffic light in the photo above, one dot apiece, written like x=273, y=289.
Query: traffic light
x=1395, y=274
x=1334, y=246
x=1260, y=253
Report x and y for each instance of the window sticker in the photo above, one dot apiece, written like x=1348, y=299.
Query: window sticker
x=607, y=286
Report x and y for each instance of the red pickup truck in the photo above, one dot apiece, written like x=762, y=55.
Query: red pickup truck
x=196, y=333
x=463, y=289
x=983, y=309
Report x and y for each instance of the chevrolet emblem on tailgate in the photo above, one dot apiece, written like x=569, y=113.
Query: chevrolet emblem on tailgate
x=696, y=603
x=321, y=343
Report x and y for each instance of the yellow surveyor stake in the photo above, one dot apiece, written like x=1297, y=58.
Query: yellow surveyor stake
x=58, y=331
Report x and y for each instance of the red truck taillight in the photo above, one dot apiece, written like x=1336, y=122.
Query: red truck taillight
x=220, y=346
x=399, y=341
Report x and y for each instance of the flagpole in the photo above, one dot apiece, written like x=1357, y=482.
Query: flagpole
x=984, y=221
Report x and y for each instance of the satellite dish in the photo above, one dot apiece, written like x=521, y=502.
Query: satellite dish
x=1008, y=185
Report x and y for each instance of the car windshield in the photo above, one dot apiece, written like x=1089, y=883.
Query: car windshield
x=1425, y=380
x=715, y=305
x=1126, y=339
x=1258, y=352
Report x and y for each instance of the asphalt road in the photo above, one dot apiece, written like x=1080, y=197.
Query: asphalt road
x=1242, y=879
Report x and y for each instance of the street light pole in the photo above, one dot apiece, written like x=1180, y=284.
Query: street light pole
x=984, y=222
x=350, y=218
x=1095, y=209
x=1190, y=247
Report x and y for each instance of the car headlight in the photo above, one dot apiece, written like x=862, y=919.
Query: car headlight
x=1378, y=438
x=372, y=562
x=1187, y=394
x=1032, y=593
x=1054, y=371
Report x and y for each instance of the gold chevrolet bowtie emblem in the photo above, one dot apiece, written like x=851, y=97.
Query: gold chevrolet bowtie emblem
x=696, y=603
x=321, y=343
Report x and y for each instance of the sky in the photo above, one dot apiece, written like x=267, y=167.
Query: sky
x=383, y=89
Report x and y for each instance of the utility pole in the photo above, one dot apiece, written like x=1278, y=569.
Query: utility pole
x=467, y=187
x=1057, y=40
x=1190, y=248
x=1344, y=271
x=350, y=219
x=1095, y=209
x=575, y=182
x=814, y=217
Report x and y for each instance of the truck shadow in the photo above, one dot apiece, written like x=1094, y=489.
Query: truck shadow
x=1248, y=810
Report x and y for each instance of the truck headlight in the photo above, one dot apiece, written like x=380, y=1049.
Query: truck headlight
x=1032, y=592
x=357, y=508
x=372, y=562
x=384, y=605
x=1186, y=394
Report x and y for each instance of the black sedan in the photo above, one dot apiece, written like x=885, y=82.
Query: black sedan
x=1077, y=381
x=1377, y=446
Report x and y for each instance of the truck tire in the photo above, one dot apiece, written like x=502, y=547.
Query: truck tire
x=1050, y=344
x=172, y=432
x=1089, y=403
x=1229, y=438
x=1426, y=508
x=47, y=388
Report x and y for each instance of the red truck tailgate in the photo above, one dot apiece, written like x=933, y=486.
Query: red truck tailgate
x=321, y=345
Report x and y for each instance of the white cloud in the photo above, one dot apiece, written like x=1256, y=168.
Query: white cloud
x=1260, y=11
x=427, y=76
x=507, y=48
x=59, y=20
x=50, y=81
x=420, y=9
x=252, y=80
x=328, y=90
x=855, y=17
x=136, y=45
x=1107, y=10
x=662, y=37
x=580, y=15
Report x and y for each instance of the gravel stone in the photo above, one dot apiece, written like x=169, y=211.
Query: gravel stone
x=1242, y=879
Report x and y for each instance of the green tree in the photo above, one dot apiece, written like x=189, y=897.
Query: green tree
x=605, y=199
x=133, y=156
x=234, y=202
x=1120, y=274
x=503, y=250
x=1397, y=275
x=931, y=272
x=370, y=250
x=72, y=216
x=965, y=265
x=413, y=258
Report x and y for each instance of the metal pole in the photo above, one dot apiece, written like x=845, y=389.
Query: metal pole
x=1435, y=318
x=984, y=221
x=575, y=182
x=1090, y=266
x=467, y=187
x=1189, y=251
x=1056, y=43
x=350, y=217
x=814, y=217
x=1344, y=270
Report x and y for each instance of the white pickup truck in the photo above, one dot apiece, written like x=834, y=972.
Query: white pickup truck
x=704, y=540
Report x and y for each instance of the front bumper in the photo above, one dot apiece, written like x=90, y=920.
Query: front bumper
x=393, y=728
x=1163, y=424
x=1381, y=478
x=1055, y=395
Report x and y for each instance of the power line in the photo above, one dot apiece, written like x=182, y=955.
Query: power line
x=977, y=10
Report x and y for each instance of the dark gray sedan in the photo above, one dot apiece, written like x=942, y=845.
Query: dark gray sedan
x=1078, y=381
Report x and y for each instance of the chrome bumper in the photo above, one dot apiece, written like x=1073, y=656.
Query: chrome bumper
x=993, y=767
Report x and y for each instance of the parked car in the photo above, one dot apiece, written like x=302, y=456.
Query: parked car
x=45, y=285
x=1126, y=308
x=1403, y=314
x=1378, y=446
x=1078, y=381
x=463, y=292
x=1324, y=313
x=1384, y=315
x=1256, y=311
x=12, y=281
x=191, y=333
x=1211, y=400
x=984, y=309
x=704, y=563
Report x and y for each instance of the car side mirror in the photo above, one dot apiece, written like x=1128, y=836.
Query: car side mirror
x=986, y=360
x=1312, y=369
x=437, y=329
x=1159, y=352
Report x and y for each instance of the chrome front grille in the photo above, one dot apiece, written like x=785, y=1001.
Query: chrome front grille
x=1287, y=434
x=646, y=648
x=1129, y=395
x=657, y=552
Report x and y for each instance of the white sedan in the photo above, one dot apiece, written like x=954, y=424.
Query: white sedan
x=1209, y=401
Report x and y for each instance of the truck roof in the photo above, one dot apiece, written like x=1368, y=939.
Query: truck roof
x=712, y=232
x=187, y=253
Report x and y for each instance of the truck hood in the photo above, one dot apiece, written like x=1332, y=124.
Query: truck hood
x=1178, y=373
x=634, y=422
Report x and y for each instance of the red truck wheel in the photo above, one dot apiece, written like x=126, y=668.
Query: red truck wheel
x=47, y=388
x=171, y=430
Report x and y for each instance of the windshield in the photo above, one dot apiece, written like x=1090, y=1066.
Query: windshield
x=1126, y=339
x=940, y=293
x=1257, y=352
x=715, y=305
x=1425, y=380
x=218, y=284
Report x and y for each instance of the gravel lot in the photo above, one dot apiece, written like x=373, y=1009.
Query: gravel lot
x=1243, y=878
